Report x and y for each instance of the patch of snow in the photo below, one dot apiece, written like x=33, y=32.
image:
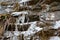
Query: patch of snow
x=23, y=32
x=50, y=16
x=16, y=33
x=2, y=11
x=38, y=29
x=8, y=34
x=54, y=38
x=19, y=13
x=9, y=6
x=24, y=1
x=21, y=4
x=57, y=25
x=21, y=18
x=8, y=10
x=33, y=29
x=15, y=38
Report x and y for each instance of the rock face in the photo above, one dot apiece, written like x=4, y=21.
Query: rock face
x=40, y=21
x=1, y=31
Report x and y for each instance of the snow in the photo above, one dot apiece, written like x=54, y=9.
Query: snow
x=9, y=6
x=32, y=29
x=24, y=1
x=54, y=38
x=16, y=33
x=38, y=29
x=24, y=23
x=50, y=16
x=8, y=10
x=19, y=13
x=21, y=18
x=8, y=34
x=57, y=25
x=2, y=11
x=15, y=38
x=23, y=32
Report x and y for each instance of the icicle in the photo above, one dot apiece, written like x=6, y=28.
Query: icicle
x=16, y=32
x=22, y=18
